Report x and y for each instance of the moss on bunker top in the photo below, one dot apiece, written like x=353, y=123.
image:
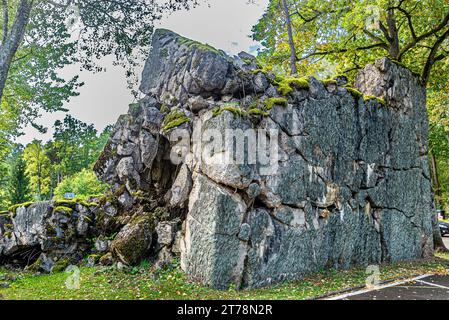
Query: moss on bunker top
x=288, y=84
x=14, y=208
x=63, y=209
x=72, y=203
x=380, y=100
x=354, y=92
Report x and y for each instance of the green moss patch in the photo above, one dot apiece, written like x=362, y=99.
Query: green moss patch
x=63, y=209
x=380, y=100
x=354, y=92
x=60, y=265
x=276, y=101
x=174, y=119
x=14, y=208
x=35, y=266
x=287, y=85
x=230, y=107
x=258, y=112
x=329, y=82
x=134, y=109
x=165, y=109
x=73, y=202
x=197, y=45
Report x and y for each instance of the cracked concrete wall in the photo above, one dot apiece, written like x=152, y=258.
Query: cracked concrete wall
x=351, y=186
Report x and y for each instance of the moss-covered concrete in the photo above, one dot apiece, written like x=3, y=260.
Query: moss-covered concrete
x=288, y=84
x=233, y=108
x=276, y=101
x=174, y=119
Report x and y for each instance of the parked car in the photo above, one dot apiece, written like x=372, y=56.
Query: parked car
x=444, y=228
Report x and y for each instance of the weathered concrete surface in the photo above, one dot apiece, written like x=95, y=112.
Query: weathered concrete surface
x=350, y=184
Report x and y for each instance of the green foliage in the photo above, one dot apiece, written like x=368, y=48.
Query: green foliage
x=60, y=33
x=16, y=182
x=75, y=146
x=38, y=169
x=83, y=184
x=439, y=144
x=334, y=37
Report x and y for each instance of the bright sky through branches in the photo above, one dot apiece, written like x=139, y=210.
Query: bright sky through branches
x=225, y=24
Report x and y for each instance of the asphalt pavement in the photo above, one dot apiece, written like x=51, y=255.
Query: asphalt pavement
x=426, y=287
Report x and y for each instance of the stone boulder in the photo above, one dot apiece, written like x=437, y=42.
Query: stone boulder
x=46, y=235
x=134, y=240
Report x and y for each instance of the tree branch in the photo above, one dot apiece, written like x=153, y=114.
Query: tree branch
x=424, y=36
x=5, y=20
x=323, y=53
x=432, y=58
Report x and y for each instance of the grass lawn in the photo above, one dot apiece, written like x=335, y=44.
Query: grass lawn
x=140, y=283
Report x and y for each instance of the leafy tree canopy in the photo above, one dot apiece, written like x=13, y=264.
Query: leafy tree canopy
x=38, y=169
x=342, y=36
x=39, y=37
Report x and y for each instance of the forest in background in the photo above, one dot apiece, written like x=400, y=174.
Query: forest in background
x=299, y=37
x=43, y=171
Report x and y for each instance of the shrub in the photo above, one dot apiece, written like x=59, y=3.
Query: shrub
x=84, y=185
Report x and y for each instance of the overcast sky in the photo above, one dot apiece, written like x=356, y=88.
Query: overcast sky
x=224, y=24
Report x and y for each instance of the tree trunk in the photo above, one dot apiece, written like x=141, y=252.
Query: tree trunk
x=394, y=35
x=438, y=243
x=291, y=43
x=435, y=178
x=13, y=39
x=437, y=239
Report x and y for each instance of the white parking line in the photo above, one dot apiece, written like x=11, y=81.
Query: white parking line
x=392, y=284
x=433, y=284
